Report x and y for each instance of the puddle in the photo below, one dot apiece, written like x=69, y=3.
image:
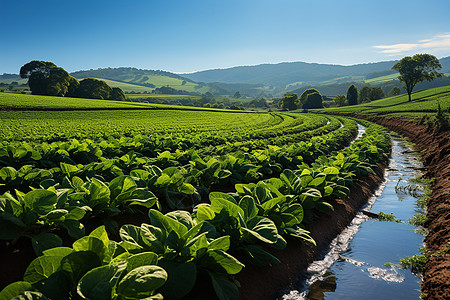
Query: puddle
x=354, y=265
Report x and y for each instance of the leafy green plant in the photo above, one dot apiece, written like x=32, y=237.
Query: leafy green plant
x=241, y=222
x=35, y=214
x=388, y=217
x=416, y=262
x=94, y=268
x=186, y=246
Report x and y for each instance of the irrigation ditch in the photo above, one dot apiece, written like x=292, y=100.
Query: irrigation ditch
x=364, y=258
x=433, y=145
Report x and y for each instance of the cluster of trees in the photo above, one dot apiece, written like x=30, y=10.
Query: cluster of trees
x=45, y=78
x=167, y=90
x=353, y=97
x=310, y=98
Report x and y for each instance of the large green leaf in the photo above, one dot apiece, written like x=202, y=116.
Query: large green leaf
x=168, y=223
x=74, y=228
x=94, y=244
x=132, y=234
x=99, y=283
x=263, y=229
x=233, y=210
x=141, y=259
x=270, y=204
x=41, y=201
x=153, y=237
x=8, y=174
x=58, y=251
x=215, y=258
x=78, y=263
x=259, y=257
x=142, y=282
x=222, y=243
x=57, y=286
x=98, y=192
x=101, y=234
x=204, y=213
x=225, y=289
x=317, y=181
x=183, y=217
x=247, y=203
x=142, y=197
x=122, y=188
x=41, y=268
x=15, y=289
x=181, y=278
x=44, y=241
x=219, y=195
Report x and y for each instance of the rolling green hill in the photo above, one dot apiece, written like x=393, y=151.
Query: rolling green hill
x=145, y=78
x=424, y=102
x=10, y=101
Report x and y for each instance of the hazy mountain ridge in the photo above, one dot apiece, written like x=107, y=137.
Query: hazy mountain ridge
x=286, y=73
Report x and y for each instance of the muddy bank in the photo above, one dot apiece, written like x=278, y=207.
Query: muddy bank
x=434, y=148
x=265, y=283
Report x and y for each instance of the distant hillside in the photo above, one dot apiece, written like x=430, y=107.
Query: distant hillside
x=296, y=74
x=147, y=78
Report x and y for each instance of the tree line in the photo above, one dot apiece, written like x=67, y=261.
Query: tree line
x=46, y=78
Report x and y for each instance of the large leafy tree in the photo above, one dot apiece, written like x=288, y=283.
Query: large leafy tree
x=289, y=101
x=117, y=94
x=93, y=88
x=416, y=69
x=305, y=94
x=313, y=100
x=368, y=94
x=352, y=95
x=45, y=78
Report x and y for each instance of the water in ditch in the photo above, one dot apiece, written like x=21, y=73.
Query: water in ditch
x=354, y=266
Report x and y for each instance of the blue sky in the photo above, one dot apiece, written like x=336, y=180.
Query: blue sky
x=192, y=35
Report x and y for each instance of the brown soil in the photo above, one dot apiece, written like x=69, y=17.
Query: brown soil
x=434, y=147
x=264, y=283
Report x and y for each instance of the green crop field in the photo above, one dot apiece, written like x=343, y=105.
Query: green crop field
x=213, y=187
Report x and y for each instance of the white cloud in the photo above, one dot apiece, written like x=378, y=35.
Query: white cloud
x=436, y=43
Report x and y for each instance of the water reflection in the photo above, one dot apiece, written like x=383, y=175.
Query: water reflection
x=326, y=285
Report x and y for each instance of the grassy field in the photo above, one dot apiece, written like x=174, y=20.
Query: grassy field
x=10, y=101
x=424, y=102
x=382, y=79
x=127, y=87
x=161, y=96
x=158, y=81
